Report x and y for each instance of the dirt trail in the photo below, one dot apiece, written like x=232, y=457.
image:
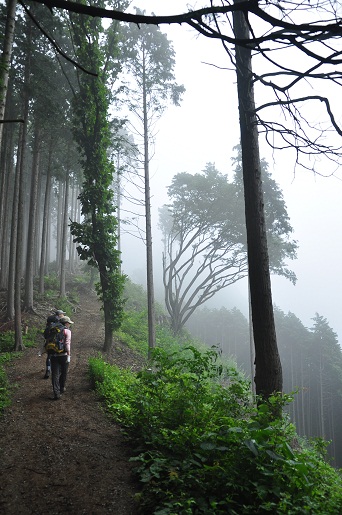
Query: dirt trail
x=65, y=456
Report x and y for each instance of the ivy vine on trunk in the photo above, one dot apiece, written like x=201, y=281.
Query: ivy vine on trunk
x=96, y=234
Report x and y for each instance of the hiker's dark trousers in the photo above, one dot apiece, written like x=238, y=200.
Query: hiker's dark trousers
x=59, y=371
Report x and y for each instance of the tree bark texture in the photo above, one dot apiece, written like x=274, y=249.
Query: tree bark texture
x=6, y=58
x=29, y=273
x=64, y=235
x=268, y=371
x=47, y=203
x=149, y=258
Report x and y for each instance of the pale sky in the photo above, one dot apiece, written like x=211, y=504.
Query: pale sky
x=205, y=129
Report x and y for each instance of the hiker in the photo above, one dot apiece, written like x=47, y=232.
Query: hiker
x=60, y=359
x=52, y=319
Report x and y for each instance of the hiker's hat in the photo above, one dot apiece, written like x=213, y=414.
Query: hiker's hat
x=60, y=312
x=64, y=320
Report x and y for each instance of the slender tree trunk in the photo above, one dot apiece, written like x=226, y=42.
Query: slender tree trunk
x=18, y=260
x=149, y=259
x=18, y=345
x=268, y=371
x=13, y=241
x=118, y=212
x=72, y=216
x=48, y=231
x=6, y=58
x=29, y=273
x=7, y=166
x=251, y=341
x=321, y=397
x=47, y=198
x=19, y=244
x=64, y=235
x=59, y=225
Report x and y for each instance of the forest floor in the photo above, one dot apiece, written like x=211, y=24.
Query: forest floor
x=65, y=456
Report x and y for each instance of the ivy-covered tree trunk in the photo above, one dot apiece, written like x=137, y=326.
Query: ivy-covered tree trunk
x=268, y=370
x=96, y=235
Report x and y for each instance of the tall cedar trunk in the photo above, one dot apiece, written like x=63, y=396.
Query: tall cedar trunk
x=64, y=235
x=72, y=217
x=6, y=58
x=44, y=246
x=19, y=248
x=29, y=273
x=13, y=241
x=7, y=167
x=149, y=260
x=268, y=371
x=48, y=234
x=59, y=211
x=18, y=345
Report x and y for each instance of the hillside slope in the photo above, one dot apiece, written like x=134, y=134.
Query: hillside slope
x=66, y=456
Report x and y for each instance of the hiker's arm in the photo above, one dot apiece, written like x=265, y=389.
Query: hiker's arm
x=67, y=341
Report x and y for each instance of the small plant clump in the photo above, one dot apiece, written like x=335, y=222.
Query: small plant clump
x=205, y=448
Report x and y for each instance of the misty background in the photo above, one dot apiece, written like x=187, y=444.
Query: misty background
x=205, y=129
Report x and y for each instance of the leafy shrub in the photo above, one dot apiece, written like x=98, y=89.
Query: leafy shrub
x=4, y=390
x=51, y=282
x=30, y=338
x=7, y=341
x=204, y=448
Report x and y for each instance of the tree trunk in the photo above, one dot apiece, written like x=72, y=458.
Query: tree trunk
x=59, y=211
x=13, y=241
x=108, y=339
x=19, y=246
x=7, y=168
x=44, y=246
x=29, y=273
x=149, y=258
x=64, y=235
x=18, y=344
x=72, y=216
x=6, y=58
x=268, y=371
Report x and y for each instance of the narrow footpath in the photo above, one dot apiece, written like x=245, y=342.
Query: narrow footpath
x=66, y=456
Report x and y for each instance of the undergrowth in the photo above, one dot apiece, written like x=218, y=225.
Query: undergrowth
x=203, y=447
x=7, y=355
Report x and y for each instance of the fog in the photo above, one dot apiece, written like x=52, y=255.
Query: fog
x=205, y=129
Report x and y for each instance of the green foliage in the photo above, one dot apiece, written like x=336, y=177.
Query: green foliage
x=7, y=341
x=136, y=297
x=5, y=357
x=96, y=235
x=279, y=230
x=148, y=45
x=4, y=389
x=203, y=447
x=115, y=386
x=29, y=339
x=204, y=223
x=134, y=331
x=51, y=282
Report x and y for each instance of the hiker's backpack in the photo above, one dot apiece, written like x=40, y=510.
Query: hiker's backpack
x=54, y=336
x=51, y=321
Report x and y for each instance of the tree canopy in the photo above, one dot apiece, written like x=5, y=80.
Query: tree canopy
x=205, y=237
